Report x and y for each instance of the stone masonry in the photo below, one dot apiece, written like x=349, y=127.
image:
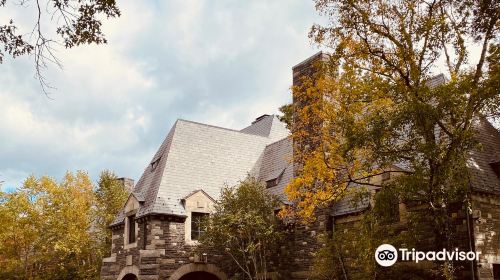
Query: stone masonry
x=154, y=236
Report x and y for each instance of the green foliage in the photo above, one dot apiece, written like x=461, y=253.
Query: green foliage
x=244, y=228
x=386, y=208
x=110, y=196
x=371, y=104
x=287, y=116
x=375, y=106
x=55, y=230
x=348, y=253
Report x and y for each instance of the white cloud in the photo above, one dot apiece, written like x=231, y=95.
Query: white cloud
x=222, y=63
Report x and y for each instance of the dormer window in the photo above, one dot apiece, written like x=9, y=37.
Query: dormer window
x=275, y=179
x=198, y=205
x=496, y=167
x=272, y=183
x=154, y=164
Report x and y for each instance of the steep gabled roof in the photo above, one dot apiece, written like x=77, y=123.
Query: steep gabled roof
x=197, y=156
x=147, y=186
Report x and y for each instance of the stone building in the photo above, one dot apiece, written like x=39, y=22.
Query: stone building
x=155, y=234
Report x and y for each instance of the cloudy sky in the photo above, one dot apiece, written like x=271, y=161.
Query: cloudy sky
x=217, y=62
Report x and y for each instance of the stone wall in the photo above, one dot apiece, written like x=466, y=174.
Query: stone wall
x=159, y=254
x=297, y=257
x=165, y=251
x=486, y=223
x=161, y=249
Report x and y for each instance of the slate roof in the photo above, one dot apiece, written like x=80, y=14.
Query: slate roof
x=277, y=162
x=348, y=205
x=436, y=81
x=482, y=175
x=197, y=156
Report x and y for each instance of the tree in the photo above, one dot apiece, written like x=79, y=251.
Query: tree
x=376, y=107
x=110, y=196
x=58, y=230
x=17, y=235
x=78, y=22
x=46, y=229
x=243, y=227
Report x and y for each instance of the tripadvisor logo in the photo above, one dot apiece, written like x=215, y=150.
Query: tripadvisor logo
x=387, y=255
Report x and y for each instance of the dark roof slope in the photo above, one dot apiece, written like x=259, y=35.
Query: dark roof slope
x=482, y=175
x=277, y=164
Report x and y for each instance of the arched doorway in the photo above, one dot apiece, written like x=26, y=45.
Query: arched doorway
x=199, y=275
x=130, y=277
x=130, y=272
x=198, y=271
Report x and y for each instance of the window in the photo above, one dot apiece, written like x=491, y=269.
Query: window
x=496, y=271
x=496, y=167
x=131, y=229
x=154, y=164
x=144, y=235
x=197, y=228
x=275, y=181
x=272, y=183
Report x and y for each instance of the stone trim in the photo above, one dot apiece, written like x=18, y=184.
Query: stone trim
x=194, y=267
x=131, y=208
x=110, y=259
x=198, y=202
x=129, y=270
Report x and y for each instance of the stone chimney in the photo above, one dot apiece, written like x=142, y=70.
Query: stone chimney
x=127, y=183
x=310, y=69
x=258, y=119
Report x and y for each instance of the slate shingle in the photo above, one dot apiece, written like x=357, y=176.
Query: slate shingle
x=197, y=156
x=483, y=177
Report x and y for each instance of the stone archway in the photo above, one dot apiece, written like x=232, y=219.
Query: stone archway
x=130, y=277
x=129, y=273
x=195, y=271
x=199, y=275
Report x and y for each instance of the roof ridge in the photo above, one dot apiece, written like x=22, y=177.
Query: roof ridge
x=283, y=139
x=219, y=127
x=153, y=188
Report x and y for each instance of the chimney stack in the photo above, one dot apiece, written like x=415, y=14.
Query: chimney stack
x=309, y=71
x=127, y=183
x=308, y=67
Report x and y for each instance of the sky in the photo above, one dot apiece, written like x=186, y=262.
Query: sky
x=222, y=63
